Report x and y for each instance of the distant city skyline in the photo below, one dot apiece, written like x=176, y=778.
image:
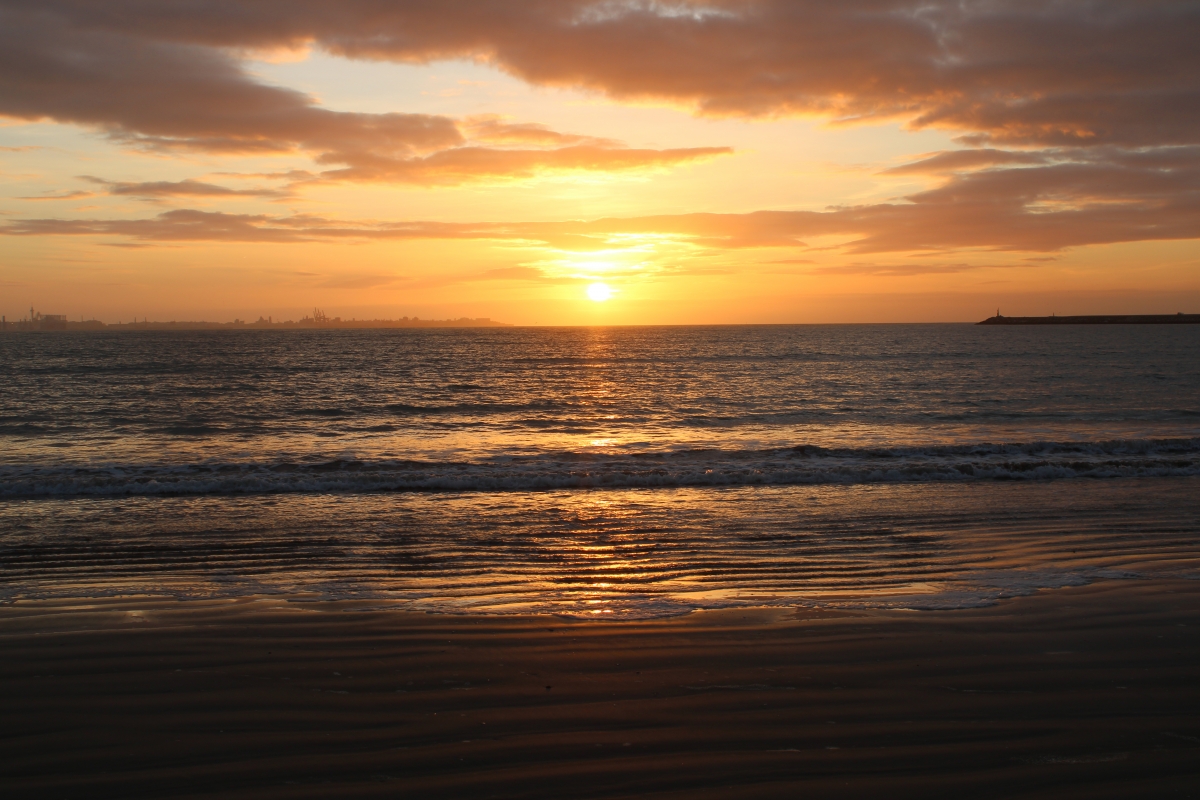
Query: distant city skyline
x=35, y=320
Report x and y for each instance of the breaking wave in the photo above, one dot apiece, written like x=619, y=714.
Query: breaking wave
x=804, y=464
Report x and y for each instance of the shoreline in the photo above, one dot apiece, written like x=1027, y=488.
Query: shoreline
x=1083, y=691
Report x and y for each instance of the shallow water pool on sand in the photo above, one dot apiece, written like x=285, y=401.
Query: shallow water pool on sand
x=612, y=553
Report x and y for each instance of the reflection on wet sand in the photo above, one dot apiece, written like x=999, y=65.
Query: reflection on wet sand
x=631, y=553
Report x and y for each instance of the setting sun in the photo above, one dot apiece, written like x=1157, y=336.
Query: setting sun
x=599, y=292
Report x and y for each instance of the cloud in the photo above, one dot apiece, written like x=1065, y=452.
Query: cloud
x=1080, y=119
x=293, y=176
x=188, y=225
x=1035, y=209
x=167, y=96
x=184, y=188
x=525, y=274
x=1062, y=73
x=951, y=161
x=76, y=195
x=906, y=270
x=494, y=129
x=462, y=164
x=155, y=92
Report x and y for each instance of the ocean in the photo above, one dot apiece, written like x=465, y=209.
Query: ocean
x=599, y=472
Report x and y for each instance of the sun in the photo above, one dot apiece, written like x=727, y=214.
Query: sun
x=599, y=292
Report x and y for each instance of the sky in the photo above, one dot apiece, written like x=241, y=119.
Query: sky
x=565, y=162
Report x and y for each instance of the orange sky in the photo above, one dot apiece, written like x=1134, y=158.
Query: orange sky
x=739, y=161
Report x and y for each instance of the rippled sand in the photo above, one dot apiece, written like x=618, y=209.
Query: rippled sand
x=640, y=553
x=1083, y=692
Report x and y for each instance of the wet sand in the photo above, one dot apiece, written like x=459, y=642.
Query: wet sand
x=1087, y=692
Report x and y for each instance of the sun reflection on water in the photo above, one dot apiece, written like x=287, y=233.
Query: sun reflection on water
x=616, y=554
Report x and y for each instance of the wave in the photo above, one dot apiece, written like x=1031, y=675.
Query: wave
x=802, y=464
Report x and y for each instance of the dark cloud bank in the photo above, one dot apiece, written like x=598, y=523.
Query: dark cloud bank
x=1080, y=120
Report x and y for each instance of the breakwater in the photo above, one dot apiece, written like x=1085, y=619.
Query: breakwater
x=1098, y=319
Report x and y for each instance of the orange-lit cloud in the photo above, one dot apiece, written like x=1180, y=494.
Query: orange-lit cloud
x=495, y=130
x=1044, y=208
x=1082, y=74
x=462, y=164
x=186, y=188
x=1069, y=72
x=75, y=195
x=186, y=225
x=168, y=96
x=906, y=270
x=952, y=161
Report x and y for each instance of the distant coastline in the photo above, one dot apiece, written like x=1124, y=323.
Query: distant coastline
x=1098, y=319
x=318, y=321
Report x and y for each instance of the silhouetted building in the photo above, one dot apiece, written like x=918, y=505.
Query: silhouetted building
x=36, y=322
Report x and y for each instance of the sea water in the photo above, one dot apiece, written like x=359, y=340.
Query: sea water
x=599, y=471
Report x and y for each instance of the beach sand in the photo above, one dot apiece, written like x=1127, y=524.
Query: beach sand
x=1082, y=692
